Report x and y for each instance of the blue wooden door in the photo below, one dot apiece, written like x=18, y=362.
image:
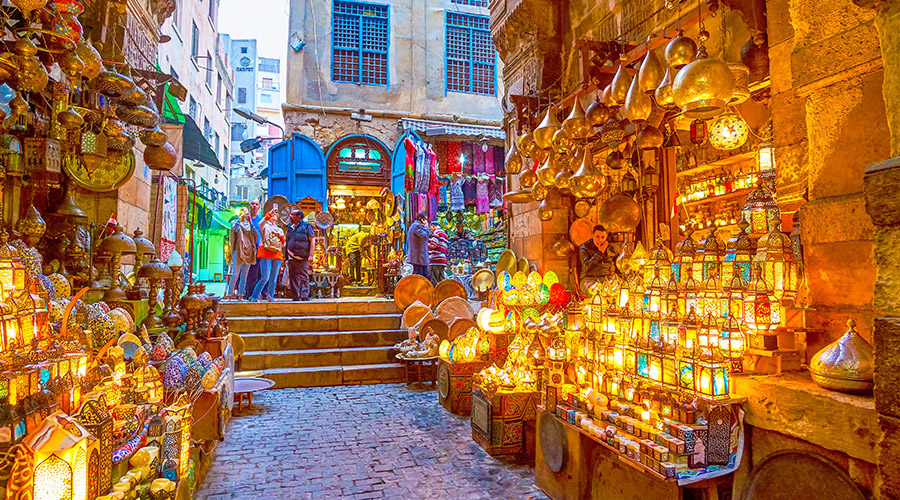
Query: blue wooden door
x=297, y=170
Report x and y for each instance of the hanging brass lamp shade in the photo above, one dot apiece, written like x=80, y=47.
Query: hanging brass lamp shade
x=680, y=51
x=513, y=161
x=588, y=181
x=68, y=208
x=546, y=175
x=651, y=73
x=527, y=178
x=562, y=143
x=649, y=137
x=703, y=88
x=664, y=97
x=576, y=124
x=543, y=134
x=612, y=133
x=638, y=104
x=619, y=87
x=845, y=365
x=606, y=98
x=545, y=212
x=526, y=144
x=741, y=74
x=597, y=113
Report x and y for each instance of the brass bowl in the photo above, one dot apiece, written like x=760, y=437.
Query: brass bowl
x=112, y=84
x=140, y=116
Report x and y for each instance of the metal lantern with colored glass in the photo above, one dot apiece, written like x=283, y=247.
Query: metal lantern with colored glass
x=735, y=291
x=776, y=256
x=12, y=271
x=688, y=330
x=688, y=294
x=670, y=330
x=765, y=162
x=684, y=256
x=659, y=262
x=708, y=334
x=670, y=296
x=95, y=417
x=732, y=343
x=708, y=257
x=711, y=377
x=739, y=251
x=759, y=209
x=762, y=313
x=653, y=294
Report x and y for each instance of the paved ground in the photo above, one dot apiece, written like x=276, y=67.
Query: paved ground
x=358, y=442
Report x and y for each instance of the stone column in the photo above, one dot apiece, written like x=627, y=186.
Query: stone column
x=883, y=206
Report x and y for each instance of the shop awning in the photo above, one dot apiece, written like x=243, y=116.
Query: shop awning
x=196, y=147
x=432, y=128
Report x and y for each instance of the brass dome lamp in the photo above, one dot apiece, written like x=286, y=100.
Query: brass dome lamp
x=638, y=105
x=651, y=73
x=703, y=88
x=116, y=245
x=143, y=247
x=597, y=113
x=588, y=181
x=154, y=271
x=576, y=125
x=845, y=365
x=680, y=51
x=543, y=134
x=513, y=162
x=663, y=93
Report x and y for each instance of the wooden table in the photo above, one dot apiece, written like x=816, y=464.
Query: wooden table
x=246, y=386
x=419, y=362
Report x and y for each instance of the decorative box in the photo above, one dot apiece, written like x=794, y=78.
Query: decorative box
x=764, y=342
x=454, y=385
x=498, y=420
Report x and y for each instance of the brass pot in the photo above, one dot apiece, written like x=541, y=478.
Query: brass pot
x=845, y=365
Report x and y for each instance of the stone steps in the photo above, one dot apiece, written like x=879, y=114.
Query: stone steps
x=291, y=341
x=346, y=322
x=307, y=358
x=319, y=376
x=282, y=308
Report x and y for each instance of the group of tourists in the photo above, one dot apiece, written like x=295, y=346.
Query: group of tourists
x=259, y=246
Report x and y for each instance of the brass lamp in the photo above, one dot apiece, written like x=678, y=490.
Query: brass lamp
x=588, y=181
x=576, y=125
x=143, y=247
x=759, y=209
x=738, y=254
x=116, y=245
x=776, y=255
x=543, y=134
x=154, y=271
x=732, y=343
x=703, y=88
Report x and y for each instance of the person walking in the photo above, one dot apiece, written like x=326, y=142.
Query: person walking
x=269, y=256
x=253, y=273
x=298, y=249
x=437, y=253
x=243, y=253
x=354, y=255
x=417, y=244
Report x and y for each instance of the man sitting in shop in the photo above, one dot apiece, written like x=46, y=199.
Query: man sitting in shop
x=354, y=255
x=598, y=260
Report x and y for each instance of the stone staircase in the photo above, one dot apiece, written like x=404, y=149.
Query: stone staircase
x=345, y=341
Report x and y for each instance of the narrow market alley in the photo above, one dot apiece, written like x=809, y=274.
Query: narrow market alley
x=357, y=442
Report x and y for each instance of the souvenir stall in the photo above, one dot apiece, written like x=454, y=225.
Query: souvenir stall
x=111, y=385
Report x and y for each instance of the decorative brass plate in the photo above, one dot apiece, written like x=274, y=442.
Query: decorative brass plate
x=111, y=175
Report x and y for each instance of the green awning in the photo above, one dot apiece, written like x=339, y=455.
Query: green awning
x=196, y=147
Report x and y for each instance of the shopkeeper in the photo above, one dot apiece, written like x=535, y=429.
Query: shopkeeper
x=598, y=260
x=354, y=255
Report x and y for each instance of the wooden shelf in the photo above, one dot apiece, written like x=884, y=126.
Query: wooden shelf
x=731, y=195
x=725, y=162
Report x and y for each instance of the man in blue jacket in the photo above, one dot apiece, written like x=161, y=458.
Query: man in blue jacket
x=298, y=247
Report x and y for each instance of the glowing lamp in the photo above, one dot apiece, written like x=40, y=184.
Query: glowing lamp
x=735, y=290
x=728, y=131
x=708, y=334
x=759, y=209
x=670, y=296
x=712, y=300
x=711, y=379
x=54, y=462
x=761, y=309
x=611, y=321
x=670, y=329
x=669, y=373
x=688, y=294
x=654, y=292
x=12, y=426
x=659, y=262
x=684, y=256
x=732, y=343
x=12, y=271
x=738, y=254
x=780, y=269
x=95, y=417
x=708, y=258
x=593, y=313
x=444, y=349
x=765, y=162
x=688, y=331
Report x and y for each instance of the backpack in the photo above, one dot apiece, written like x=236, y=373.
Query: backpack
x=273, y=237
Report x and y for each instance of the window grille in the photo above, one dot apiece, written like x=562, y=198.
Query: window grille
x=470, y=56
x=474, y=3
x=359, y=43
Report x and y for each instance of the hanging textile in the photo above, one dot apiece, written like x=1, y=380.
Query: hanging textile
x=489, y=161
x=444, y=196
x=457, y=198
x=469, y=193
x=468, y=156
x=495, y=192
x=454, y=149
x=482, y=201
x=434, y=183
x=442, y=154
x=478, y=160
x=410, y=175
x=423, y=169
x=499, y=167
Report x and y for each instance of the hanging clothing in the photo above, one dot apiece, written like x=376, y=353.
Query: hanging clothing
x=469, y=192
x=499, y=160
x=482, y=202
x=444, y=196
x=442, y=157
x=457, y=198
x=489, y=161
x=495, y=192
x=478, y=159
x=410, y=166
x=423, y=169
x=434, y=183
x=468, y=159
x=454, y=149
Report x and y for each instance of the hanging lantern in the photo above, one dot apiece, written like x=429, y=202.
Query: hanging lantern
x=762, y=312
x=618, y=89
x=732, y=343
x=545, y=211
x=561, y=143
x=653, y=295
x=546, y=175
x=680, y=51
x=659, y=261
x=612, y=133
x=711, y=378
x=735, y=290
x=670, y=296
x=527, y=178
x=728, y=131
x=576, y=125
x=765, y=163
x=663, y=93
x=526, y=144
x=685, y=250
x=688, y=294
x=588, y=181
x=54, y=461
x=597, y=113
x=649, y=138
x=698, y=132
x=708, y=257
x=688, y=330
x=651, y=73
x=776, y=255
x=513, y=161
x=543, y=134
x=703, y=88
x=713, y=301
x=759, y=209
x=708, y=335
x=638, y=105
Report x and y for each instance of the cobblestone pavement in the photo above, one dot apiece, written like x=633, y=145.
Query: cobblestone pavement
x=358, y=442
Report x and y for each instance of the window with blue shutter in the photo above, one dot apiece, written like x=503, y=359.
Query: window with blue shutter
x=359, y=39
x=470, y=56
x=475, y=3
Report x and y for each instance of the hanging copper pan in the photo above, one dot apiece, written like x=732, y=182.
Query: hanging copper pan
x=412, y=288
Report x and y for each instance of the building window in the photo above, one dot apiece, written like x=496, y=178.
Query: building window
x=195, y=41
x=471, y=59
x=269, y=65
x=360, y=43
x=265, y=98
x=238, y=131
x=242, y=95
x=474, y=3
x=218, y=88
x=224, y=154
x=207, y=129
x=193, y=108
x=216, y=142
x=212, y=10
x=209, y=70
x=243, y=50
x=227, y=100
x=268, y=84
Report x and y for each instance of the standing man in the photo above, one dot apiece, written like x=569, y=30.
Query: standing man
x=299, y=249
x=437, y=253
x=598, y=261
x=354, y=255
x=253, y=273
x=417, y=244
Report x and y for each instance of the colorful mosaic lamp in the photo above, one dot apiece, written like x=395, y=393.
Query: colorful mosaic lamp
x=762, y=313
x=759, y=209
x=739, y=253
x=684, y=256
x=713, y=301
x=12, y=271
x=711, y=378
x=708, y=257
x=732, y=343
x=776, y=256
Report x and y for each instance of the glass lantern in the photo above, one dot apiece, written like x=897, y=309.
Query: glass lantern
x=711, y=378
x=654, y=292
x=708, y=257
x=765, y=162
x=708, y=335
x=732, y=343
x=12, y=271
x=738, y=254
x=713, y=301
x=684, y=256
x=688, y=294
x=759, y=209
x=659, y=262
x=735, y=290
x=670, y=296
x=780, y=269
x=670, y=329
x=688, y=330
x=762, y=312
